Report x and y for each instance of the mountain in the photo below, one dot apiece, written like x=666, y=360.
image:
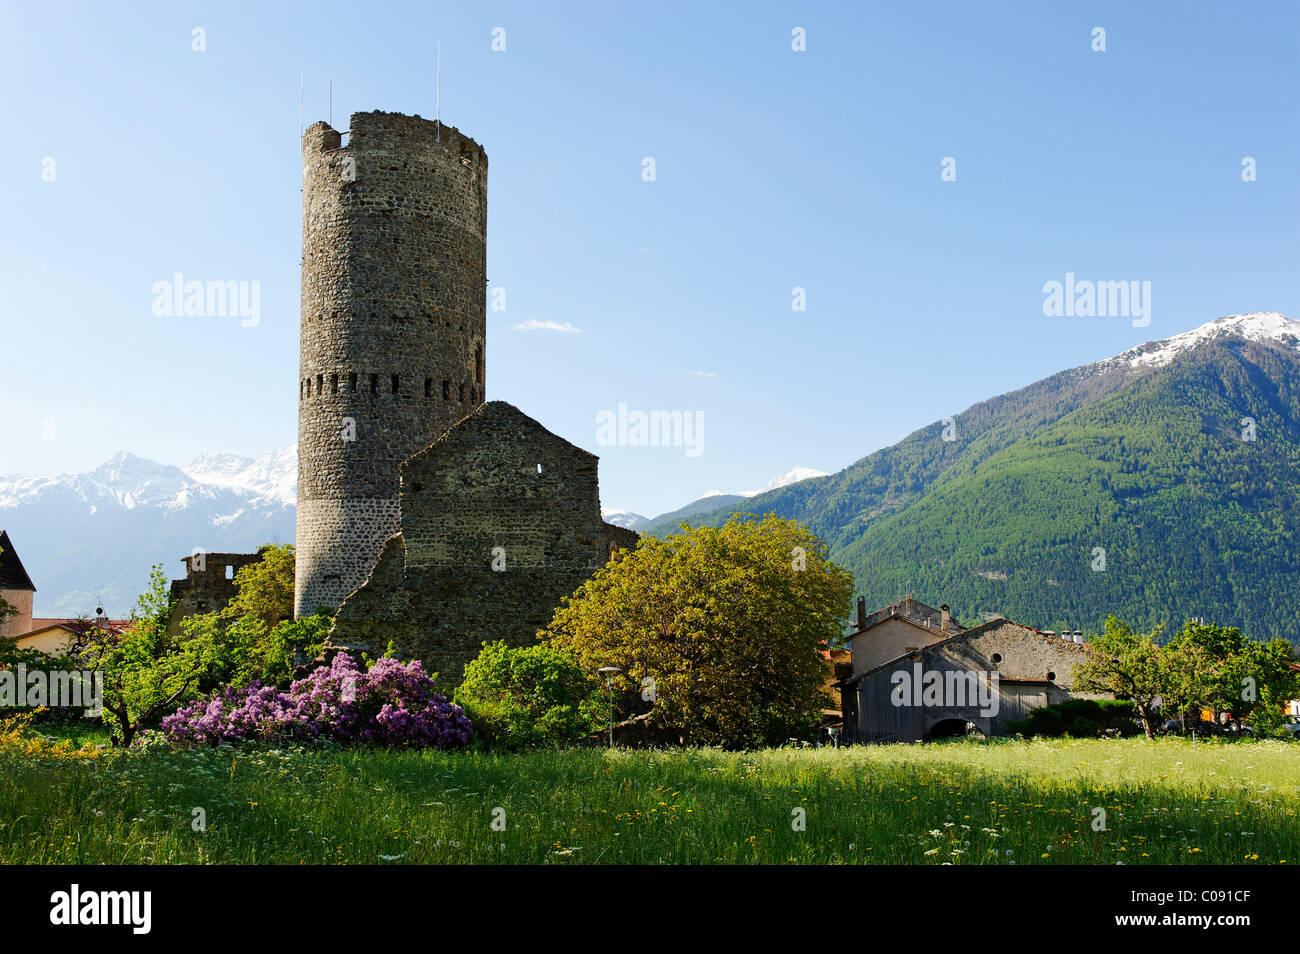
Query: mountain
x=86, y=537
x=1174, y=465
x=622, y=518
x=715, y=500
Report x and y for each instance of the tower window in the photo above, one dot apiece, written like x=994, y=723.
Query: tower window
x=309, y=387
x=462, y=393
x=395, y=383
x=374, y=384
x=334, y=384
x=320, y=384
x=300, y=384
x=446, y=390
x=352, y=382
x=428, y=387
x=478, y=363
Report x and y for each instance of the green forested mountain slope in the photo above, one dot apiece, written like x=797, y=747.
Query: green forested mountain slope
x=1145, y=461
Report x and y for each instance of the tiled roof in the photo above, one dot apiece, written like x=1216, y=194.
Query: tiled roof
x=12, y=574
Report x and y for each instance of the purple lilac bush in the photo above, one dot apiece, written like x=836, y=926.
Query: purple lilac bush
x=393, y=704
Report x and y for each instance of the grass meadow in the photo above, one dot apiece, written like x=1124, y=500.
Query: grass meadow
x=999, y=802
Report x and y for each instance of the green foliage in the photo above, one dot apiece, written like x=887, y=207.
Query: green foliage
x=729, y=623
x=145, y=672
x=521, y=697
x=265, y=588
x=33, y=660
x=1078, y=719
x=1131, y=665
x=1204, y=667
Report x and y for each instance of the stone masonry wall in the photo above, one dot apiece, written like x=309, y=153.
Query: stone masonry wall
x=207, y=590
x=500, y=520
x=394, y=275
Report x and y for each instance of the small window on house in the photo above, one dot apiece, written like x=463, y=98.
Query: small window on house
x=352, y=382
x=428, y=387
x=374, y=384
x=1051, y=675
x=230, y=572
x=334, y=384
x=395, y=383
x=446, y=390
x=997, y=657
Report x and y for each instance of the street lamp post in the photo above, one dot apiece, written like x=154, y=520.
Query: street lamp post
x=609, y=683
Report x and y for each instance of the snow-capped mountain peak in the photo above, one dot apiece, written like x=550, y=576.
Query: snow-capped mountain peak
x=788, y=478
x=1256, y=326
x=273, y=475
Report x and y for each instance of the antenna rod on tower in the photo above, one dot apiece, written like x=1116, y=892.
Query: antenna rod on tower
x=437, y=95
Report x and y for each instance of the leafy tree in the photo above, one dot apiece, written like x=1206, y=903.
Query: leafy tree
x=1130, y=665
x=265, y=588
x=722, y=627
x=1217, y=668
x=145, y=673
x=537, y=695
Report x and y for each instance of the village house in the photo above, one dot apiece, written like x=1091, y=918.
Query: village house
x=52, y=636
x=918, y=674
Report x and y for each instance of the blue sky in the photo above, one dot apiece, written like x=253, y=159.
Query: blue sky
x=775, y=169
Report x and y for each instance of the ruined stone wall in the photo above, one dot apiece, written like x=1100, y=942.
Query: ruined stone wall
x=394, y=275
x=500, y=520
x=206, y=590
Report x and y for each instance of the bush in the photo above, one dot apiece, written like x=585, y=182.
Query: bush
x=1079, y=719
x=393, y=704
x=539, y=695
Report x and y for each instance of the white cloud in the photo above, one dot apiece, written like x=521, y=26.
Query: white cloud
x=532, y=324
x=704, y=374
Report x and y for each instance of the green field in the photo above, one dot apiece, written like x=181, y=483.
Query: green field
x=999, y=802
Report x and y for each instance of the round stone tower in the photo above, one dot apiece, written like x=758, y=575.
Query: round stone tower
x=394, y=288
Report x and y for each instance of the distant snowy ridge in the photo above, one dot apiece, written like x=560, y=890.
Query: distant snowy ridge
x=1267, y=326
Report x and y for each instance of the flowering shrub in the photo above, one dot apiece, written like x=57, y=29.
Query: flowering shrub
x=393, y=704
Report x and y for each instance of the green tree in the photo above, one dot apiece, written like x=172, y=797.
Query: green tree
x=722, y=627
x=145, y=672
x=536, y=695
x=1130, y=665
x=265, y=588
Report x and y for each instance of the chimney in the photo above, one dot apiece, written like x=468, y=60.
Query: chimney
x=862, y=612
x=945, y=618
x=1078, y=636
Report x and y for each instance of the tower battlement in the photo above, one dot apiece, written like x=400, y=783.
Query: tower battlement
x=393, y=328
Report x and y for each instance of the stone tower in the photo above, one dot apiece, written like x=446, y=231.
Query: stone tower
x=394, y=287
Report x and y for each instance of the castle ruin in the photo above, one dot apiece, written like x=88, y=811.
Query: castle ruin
x=426, y=518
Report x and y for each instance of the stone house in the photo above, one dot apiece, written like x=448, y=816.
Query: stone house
x=947, y=679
